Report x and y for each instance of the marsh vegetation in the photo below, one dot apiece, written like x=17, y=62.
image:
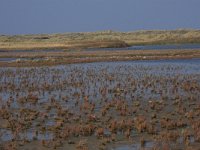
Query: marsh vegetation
x=144, y=104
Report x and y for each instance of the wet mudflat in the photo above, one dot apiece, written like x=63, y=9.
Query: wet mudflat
x=16, y=60
x=105, y=105
x=34, y=50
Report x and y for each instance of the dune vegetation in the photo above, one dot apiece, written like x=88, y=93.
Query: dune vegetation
x=98, y=39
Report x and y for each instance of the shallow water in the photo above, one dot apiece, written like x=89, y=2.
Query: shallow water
x=84, y=73
x=8, y=59
x=68, y=83
x=147, y=145
x=152, y=47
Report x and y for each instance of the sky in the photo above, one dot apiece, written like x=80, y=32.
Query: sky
x=58, y=16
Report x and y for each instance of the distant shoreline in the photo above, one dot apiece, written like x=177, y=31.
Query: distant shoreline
x=104, y=39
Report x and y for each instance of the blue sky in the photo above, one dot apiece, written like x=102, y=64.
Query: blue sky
x=57, y=16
